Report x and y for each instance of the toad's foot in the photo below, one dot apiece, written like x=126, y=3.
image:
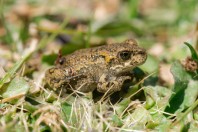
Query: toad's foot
x=113, y=85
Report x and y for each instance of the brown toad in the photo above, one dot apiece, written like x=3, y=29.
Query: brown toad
x=104, y=68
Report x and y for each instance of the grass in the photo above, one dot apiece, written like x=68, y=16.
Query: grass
x=162, y=97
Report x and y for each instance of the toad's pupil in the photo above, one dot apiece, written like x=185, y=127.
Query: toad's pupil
x=125, y=55
x=61, y=61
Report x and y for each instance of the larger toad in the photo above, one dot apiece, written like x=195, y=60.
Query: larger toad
x=104, y=68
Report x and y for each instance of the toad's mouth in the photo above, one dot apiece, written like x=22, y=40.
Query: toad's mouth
x=119, y=69
x=127, y=66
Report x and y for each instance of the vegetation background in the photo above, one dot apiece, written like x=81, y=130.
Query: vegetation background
x=163, y=99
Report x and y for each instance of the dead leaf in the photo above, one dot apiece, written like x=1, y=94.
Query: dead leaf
x=165, y=75
x=2, y=72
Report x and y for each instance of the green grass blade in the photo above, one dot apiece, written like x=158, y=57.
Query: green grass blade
x=8, y=36
x=193, y=52
x=195, y=104
x=41, y=45
x=16, y=66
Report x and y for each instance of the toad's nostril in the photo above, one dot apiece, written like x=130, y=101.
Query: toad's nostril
x=142, y=52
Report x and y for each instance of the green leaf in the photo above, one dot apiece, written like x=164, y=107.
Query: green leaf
x=49, y=59
x=193, y=52
x=161, y=120
x=120, y=107
x=117, y=121
x=195, y=116
x=149, y=101
x=12, y=71
x=16, y=87
x=139, y=118
x=66, y=109
x=156, y=96
x=191, y=93
x=179, y=73
x=181, y=78
x=69, y=48
x=31, y=108
x=151, y=64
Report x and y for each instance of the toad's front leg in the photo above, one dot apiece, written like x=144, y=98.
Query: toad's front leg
x=111, y=84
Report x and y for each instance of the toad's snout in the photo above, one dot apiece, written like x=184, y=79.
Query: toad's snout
x=139, y=56
x=141, y=52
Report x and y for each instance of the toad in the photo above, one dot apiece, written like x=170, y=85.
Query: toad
x=104, y=68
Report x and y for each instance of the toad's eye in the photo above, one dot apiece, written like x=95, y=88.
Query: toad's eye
x=125, y=55
x=61, y=61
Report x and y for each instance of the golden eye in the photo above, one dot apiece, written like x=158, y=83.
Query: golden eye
x=125, y=55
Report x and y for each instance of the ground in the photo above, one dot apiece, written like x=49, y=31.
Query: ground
x=162, y=97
